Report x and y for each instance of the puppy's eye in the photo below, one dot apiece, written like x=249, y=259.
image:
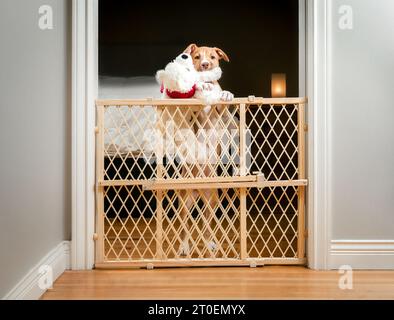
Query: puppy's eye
x=213, y=57
x=197, y=57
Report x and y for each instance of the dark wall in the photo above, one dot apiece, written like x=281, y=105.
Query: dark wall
x=137, y=39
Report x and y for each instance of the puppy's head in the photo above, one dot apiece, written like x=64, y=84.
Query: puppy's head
x=206, y=58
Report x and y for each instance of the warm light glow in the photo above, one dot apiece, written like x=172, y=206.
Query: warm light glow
x=278, y=85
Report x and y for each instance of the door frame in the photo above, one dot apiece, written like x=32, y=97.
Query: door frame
x=313, y=45
x=84, y=93
x=318, y=217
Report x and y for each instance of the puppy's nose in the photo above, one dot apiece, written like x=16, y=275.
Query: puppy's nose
x=184, y=56
x=205, y=65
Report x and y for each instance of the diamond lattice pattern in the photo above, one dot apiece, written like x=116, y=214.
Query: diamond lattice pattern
x=186, y=142
x=142, y=144
x=273, y=146
x=272, y=222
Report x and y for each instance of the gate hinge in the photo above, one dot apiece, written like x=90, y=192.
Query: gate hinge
x=306, y=233
x=96, y=130
x=95, y=236
x=306, y=127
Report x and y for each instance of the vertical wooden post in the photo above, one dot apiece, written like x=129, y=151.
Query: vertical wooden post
x=301, y=175
x=159, y=224
x=242, y=169
x=100, y=216
x=159, y=193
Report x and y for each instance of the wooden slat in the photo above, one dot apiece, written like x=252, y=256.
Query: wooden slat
x=249, y=178
x=159, y=224
x=242, y=223
x=242, y=139
x=301, y=175
x=100, y=189
x=227, y=185
x=242, y=169
x=159, y=194
x=196, y=102
x=114, y=183
x=199, y=263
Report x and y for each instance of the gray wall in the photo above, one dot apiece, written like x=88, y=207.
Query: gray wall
x=362, y=121
x=35, y=129
x=34, y=135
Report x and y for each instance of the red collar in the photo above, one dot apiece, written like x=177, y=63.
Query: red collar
x=179, y=95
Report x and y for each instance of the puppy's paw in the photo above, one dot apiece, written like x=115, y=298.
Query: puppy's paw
x=207, y=86
x=204, y=86
x=226, y=96
x=184, y=248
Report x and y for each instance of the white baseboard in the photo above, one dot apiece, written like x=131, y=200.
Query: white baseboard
x=28, y=288
x=362, y=254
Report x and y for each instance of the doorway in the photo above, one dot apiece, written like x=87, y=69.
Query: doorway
x=136, y=40
x=130, y=51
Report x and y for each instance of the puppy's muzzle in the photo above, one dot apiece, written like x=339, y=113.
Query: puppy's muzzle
x=205, y=65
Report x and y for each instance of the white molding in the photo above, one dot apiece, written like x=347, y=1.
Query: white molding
x=85, y=21
x=362, y=254
x=318, y=137
x=84, y=91
x=27, y=288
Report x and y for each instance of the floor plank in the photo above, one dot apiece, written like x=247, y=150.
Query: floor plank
x=273, y=282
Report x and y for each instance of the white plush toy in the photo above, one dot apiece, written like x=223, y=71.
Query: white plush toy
x=180, y=80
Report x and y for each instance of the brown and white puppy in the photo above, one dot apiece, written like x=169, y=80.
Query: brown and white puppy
x=205, y=59
x=208, y=58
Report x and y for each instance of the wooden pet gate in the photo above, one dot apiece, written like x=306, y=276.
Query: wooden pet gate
x=184, y=184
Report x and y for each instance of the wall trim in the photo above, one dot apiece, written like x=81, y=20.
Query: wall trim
x=318, y=192
x=84, y=93
x=85, y=84
x=27, y=288
x=362, y=254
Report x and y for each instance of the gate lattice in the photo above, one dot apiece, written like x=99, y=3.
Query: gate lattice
x=183, y=184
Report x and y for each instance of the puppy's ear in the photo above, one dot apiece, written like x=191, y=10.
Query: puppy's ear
x=190, y=48
x=222, y=55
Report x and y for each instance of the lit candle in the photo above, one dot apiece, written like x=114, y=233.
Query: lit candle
x=278, y=85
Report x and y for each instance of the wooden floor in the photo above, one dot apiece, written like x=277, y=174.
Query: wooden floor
x=269, y=282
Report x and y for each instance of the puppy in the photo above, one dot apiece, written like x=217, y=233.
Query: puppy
x=206, y=59
x=179, y=79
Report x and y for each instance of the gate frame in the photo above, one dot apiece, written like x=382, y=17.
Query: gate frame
x=84, y=92
x=241, y=183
